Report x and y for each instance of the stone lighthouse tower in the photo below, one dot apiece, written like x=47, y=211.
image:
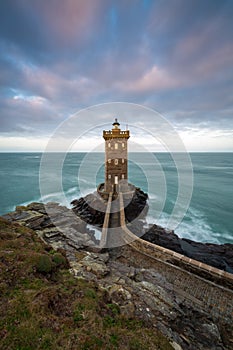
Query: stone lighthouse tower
x=116, y=159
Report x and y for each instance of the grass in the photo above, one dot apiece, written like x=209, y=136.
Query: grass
x=44, y=307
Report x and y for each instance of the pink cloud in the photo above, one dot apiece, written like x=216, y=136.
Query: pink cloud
x=154, y=79
x=60, y=89
x=67, y=20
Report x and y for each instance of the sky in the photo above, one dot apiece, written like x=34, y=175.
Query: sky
x=58, y=57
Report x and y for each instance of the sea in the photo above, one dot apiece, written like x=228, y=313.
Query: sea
x=206, y=215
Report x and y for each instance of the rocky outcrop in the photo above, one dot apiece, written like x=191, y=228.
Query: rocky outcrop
x=219, y=256
x=55, y=224
x=145, y=294
x=137, y=207
x=92, y=207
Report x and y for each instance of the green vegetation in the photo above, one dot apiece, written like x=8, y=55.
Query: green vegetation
x=44, y=307
x=44, y=264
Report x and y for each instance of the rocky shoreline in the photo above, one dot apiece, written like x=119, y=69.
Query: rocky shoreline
x=139, y=292
x=216, y=255
x=91, y=210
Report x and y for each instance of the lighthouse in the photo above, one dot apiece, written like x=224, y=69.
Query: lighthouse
x=116, y=158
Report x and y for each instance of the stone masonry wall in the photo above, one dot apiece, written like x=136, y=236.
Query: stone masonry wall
x=206, y=286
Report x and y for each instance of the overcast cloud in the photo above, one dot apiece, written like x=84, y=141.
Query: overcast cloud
x=59, y=56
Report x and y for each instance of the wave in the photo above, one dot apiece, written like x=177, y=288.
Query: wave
x=153, y=196
x=82, y=180
x=193, y=226
x=31, y=157
x=23, y=204
x=196, y=167
x=85, y=192
x=63, y=198
x=198, y=231
x=72, y=190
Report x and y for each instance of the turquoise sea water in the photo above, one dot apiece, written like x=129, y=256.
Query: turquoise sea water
x=209, y=217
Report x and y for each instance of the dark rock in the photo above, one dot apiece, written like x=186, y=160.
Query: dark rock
x=137, y=207
x=219, y=256
x=92, y=207
x=167, y=239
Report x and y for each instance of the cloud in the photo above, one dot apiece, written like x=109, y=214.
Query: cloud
x=57, y=57
x=43, y=28
x=155, y=79
x=207, y=140
x=27, y=114
x=68, y=22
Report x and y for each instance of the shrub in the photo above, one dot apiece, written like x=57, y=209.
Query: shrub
x=44, y=264
x=59, y=259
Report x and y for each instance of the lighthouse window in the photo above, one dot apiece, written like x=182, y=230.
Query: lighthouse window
x=116, y=161
x=109, y=176
x=123, y=160
x=122, y=176
x=123, y=145
x=109, y=160
x=109, y=144
x=116, y=145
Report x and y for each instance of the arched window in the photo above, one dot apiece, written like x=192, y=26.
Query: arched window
x=109, y=160
x=123, y=160
x=109, y=144
x=116, y=145
x=123, y=145
x=109, y=176
x=116, y=161
x=123, y=176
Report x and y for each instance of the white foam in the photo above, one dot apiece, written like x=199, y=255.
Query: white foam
x=153, y=197
x=72, y=190
x=193, y=227
x=97, y=232
x=23, y=204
